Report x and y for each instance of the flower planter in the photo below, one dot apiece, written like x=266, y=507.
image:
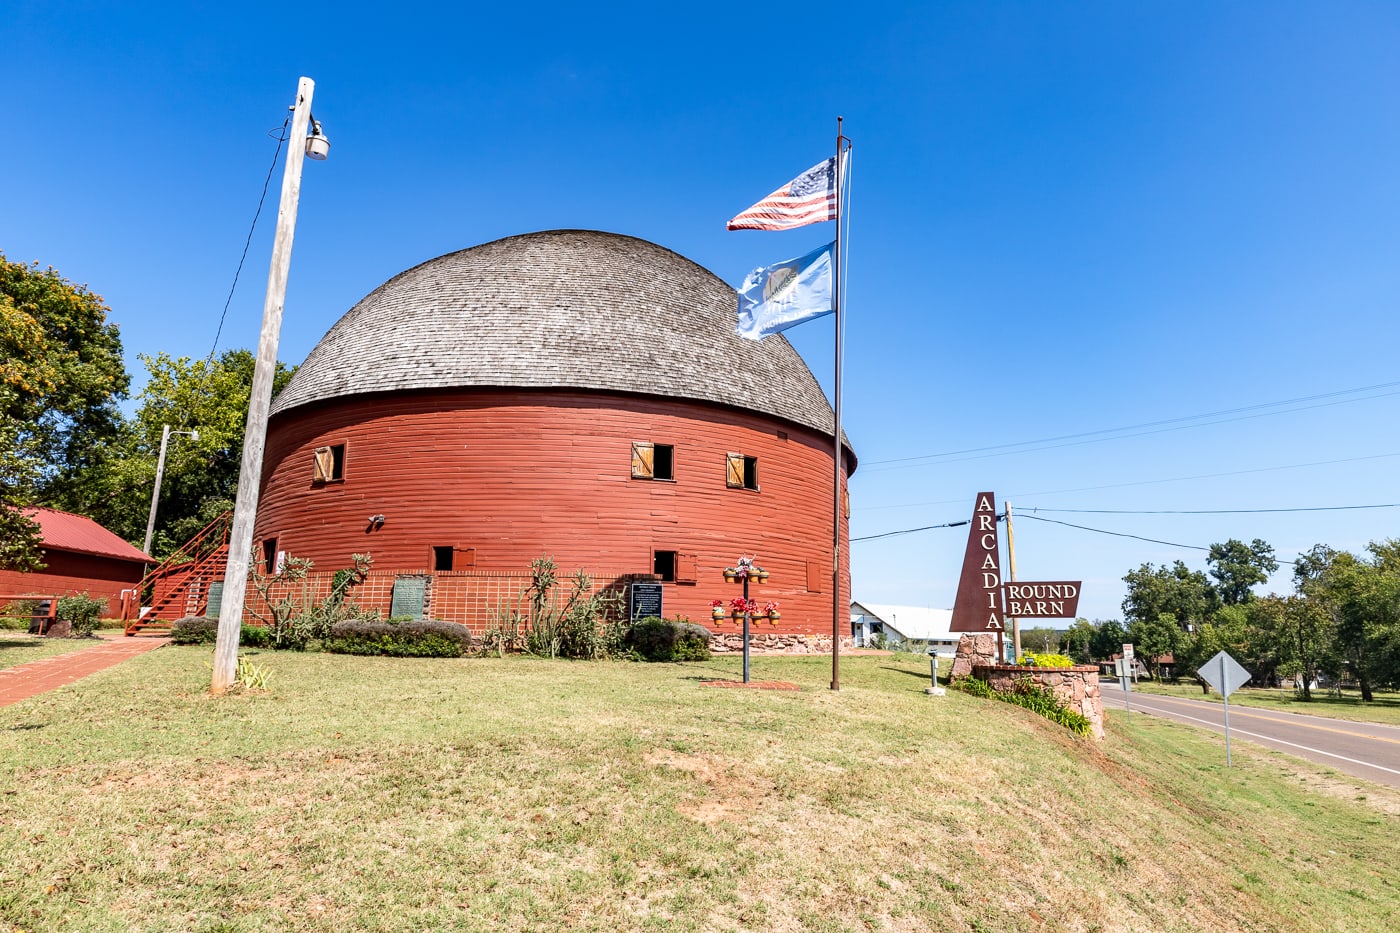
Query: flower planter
x=730, y=576
x=761, y=576
x=774, y=616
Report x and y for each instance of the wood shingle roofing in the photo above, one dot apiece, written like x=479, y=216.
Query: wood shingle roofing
x=561, y=308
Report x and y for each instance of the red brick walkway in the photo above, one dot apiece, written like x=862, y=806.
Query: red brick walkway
x=28, y=680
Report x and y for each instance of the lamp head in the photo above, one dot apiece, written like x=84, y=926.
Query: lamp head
x=317, y=145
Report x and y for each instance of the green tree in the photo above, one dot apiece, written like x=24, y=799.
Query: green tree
x=1297, y=634
x=201, y=476
x=62, y=370
x=1177, y=591
x=1237, y=567
x=1361, y=597
x=1154, y=638
x=1108, y=639
x=1041, y=639
x=61, y=373
x=1078, y=640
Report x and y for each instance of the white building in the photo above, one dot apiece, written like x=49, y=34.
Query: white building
x=903, y=626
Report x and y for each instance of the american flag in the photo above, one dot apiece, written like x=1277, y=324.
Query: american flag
x=810, y=198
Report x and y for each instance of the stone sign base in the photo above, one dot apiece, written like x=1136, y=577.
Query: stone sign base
x=1076, y=687
x=974, y=651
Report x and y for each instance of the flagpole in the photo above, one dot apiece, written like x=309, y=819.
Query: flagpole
x=836, y=296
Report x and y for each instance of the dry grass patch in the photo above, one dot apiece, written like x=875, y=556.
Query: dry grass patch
x=19, y=648
x=517, y=794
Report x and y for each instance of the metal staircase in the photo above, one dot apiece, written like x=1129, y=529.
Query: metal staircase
x=188, y=583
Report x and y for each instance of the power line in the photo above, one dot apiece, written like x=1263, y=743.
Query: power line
x=1029, y=511
x=1161, y=426
x=281, y=138
x=1117, y=534
x=1151, y=482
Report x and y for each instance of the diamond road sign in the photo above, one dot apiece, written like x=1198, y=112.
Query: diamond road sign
x=1224, y=673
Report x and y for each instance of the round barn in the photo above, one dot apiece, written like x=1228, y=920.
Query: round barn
x=570, y=393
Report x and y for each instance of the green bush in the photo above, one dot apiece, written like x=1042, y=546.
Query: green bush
x=420, y=638
x=656, y=639
x=81, y=612
x=1031, y=659
x=201, y=630
x=1027, y=693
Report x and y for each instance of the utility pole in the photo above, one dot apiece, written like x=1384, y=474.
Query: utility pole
x=160, y=474
x=240, y=545
x=1011, y=550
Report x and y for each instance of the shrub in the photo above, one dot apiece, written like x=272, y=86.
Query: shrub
x=17, y=615
x=81, y=611
x=202, y=630
x=420, y=638
x=1031, y=659
x=656, y=639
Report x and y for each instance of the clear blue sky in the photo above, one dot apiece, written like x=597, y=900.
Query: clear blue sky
x=1065, y=218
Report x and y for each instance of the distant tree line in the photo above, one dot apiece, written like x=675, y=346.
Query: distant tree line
x=1342, y=621
x=65, y=442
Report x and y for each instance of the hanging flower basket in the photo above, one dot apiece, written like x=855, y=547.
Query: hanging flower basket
x=730, y=576
x=774, y=616
x=760, y=575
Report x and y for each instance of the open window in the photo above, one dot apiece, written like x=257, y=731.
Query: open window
x=741, y=472
x=653, y=461
x=442, y=558
x=272, y=559
x=663, y=564
x=330, y=464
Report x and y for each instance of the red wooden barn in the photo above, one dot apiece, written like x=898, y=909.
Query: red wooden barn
x=81, y=557
x=568, y=393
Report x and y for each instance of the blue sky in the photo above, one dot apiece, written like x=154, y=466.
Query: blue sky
x=1065, y=219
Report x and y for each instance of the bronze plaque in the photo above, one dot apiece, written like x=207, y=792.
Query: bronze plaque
x=1058, y=599
x=977, y=607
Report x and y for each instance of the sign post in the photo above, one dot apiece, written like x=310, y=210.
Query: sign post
x=1120, y=667
x=1227, y=675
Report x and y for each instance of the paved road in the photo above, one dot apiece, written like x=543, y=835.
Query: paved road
x=1366, y=750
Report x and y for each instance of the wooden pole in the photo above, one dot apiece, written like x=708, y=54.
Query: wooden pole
x=1011, y=551
x=240, y=545
x=155, y=493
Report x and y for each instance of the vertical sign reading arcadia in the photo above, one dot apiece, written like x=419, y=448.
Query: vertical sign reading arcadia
x=977, y=607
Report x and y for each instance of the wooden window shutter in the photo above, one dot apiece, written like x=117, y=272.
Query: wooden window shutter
x=817, y=571
x=466, y=558
x=685, y=569
x=734, y=473
x=325, y=465
x=643, y=460
x=845, y=503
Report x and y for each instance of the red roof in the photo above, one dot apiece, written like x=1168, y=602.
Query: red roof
x=64, y=531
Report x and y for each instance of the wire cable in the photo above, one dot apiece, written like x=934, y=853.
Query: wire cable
x=281, y=138
x=1316, y=508
x=1161, y=426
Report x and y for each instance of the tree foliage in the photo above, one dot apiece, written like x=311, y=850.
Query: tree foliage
x=61, y=374
x=201, y=476
x=1237, y=567
x=1176, y=591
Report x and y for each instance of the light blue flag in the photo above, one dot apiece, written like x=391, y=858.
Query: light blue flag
x=774, y=298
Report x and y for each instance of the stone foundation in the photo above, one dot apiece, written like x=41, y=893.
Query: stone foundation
x=1077, y=687
x=774, y=643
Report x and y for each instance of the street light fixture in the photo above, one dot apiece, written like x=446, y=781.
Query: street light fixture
x=160, y=473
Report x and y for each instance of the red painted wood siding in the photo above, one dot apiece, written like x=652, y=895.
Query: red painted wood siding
x=518, y=474
x=68, y=573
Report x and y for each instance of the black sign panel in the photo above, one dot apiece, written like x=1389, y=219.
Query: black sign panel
x=645, y=600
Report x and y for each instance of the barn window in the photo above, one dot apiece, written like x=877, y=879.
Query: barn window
x=741, y=472
x=663, y=564
x=653, y=461
x=330, y=464
x=442, y=558
x=271, y=560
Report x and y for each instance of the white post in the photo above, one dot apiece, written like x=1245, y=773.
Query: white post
x=240, y=545
x=155, y=493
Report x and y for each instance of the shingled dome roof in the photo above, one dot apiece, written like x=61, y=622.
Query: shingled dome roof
x=562, y=308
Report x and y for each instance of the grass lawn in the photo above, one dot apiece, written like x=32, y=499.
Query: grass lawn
x=1384, y=708
x=19, y=648
x=521, y=794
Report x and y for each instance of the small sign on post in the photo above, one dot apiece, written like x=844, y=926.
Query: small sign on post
x=1226, y=675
